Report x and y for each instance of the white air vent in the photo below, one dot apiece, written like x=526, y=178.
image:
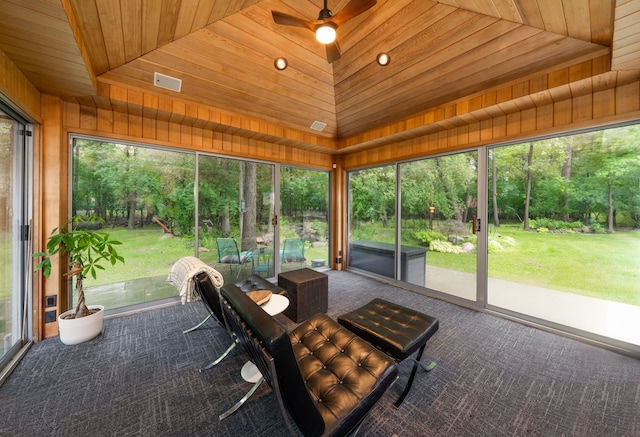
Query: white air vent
x=318, y=125
x=168, y=82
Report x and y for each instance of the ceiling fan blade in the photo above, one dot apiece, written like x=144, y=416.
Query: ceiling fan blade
x=352, y=9
x=290, y=20
x=333, y=52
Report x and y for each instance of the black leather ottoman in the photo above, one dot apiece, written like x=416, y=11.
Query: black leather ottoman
x=396, y=330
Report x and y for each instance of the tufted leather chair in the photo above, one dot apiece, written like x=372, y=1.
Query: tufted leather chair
x=324, y=375
x=211, y=299
x=255, y=282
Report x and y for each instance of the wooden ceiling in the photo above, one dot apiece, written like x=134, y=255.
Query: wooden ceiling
x=223, y=51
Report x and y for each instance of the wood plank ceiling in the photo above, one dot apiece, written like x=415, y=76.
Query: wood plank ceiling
x=223, y=51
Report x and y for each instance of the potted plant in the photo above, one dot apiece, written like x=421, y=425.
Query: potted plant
x=88, y=250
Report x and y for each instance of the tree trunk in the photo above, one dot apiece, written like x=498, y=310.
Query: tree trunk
x=567, y=168
x=494, y=191
x=610, y=206
x=241, y=196
x=449, y=191
x=133, y=200
x=528, y=194
x=81, y=308
x=250, y=198
x=131, y=224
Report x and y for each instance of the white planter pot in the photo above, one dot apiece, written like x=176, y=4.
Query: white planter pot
x=74, y=331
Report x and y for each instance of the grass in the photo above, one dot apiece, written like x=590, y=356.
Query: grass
x=146, y=252
x=149, y=252
x=606, y=266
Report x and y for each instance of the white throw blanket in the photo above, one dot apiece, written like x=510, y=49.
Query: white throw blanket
x=183, y=273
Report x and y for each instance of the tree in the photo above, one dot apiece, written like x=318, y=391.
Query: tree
x=250, y=212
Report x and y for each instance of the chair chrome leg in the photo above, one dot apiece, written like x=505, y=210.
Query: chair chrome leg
x=238, y=404
x=220, y=358
x=186, y=331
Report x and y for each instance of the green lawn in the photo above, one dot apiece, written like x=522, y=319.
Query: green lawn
x=599, y=265
x=606, y=266
x=149, y=252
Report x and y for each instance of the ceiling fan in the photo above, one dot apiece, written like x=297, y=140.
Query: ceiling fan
x=326, y=25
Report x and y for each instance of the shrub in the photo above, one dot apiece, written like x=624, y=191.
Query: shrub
x=444, y=247
x=493, y=245
x=428, y=236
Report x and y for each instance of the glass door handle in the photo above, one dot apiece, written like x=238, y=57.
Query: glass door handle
x=475, y=225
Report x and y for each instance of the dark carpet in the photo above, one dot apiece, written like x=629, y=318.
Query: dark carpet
x=494, y=378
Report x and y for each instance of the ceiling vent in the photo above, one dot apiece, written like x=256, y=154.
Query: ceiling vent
x=318, y=125
x=168, y=82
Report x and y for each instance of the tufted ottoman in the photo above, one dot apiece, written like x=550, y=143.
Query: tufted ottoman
x=396, y=330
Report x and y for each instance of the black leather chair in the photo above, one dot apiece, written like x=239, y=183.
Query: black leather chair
x=205, y=289
x=327, y=377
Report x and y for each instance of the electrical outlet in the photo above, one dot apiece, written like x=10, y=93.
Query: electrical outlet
x=50, y=301
x=50, y=316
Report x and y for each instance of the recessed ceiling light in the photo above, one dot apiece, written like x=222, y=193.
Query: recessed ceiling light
x=280, y=64
x=383, y=59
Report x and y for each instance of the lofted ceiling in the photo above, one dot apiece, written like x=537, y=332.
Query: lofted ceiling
x=223, y=51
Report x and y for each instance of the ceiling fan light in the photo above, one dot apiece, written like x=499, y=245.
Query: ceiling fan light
x=326, y=33
x=280, y=63
x=383, y=59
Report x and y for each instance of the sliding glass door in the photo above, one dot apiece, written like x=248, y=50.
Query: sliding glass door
x=15, y=213
x=439, y=203
x=562, y=245
x=235, y=216
x=372, y=223
x=564, y=238
x=165, y=204
x=304, y=218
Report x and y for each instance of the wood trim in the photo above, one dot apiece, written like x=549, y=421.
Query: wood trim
x=54, y=201
x=596, y=108
x=16, y=89
x=112, y=124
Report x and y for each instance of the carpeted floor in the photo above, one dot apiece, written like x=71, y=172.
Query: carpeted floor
x=494, y=378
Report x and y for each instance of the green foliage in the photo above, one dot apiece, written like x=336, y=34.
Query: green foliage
x=444, y=247
x=426, y=237
x=597, y=228
x=553, y=224
x=85, y=247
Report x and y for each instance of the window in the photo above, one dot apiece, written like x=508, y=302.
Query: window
x=15, y=214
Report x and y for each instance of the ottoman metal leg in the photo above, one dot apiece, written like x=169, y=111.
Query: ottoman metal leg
x=416, y=362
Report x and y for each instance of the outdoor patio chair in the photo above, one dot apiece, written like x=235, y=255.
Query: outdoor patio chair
x=229, y=254
x=292, y=251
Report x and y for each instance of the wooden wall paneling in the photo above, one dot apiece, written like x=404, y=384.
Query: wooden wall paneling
x=628, y=98
x=105, y=120
x=174, y=133
x=544, y=116
x=528, y=120
x=582, y=108
x=71, y=115
x=604, y=103
x=88, y=118
x=18, y=90
x=513, y=126
x=54, y=198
